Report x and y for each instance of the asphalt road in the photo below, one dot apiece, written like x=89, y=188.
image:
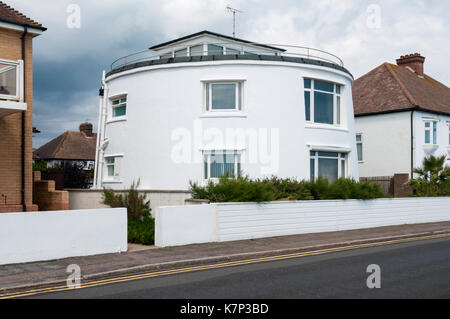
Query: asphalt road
x=417, y=269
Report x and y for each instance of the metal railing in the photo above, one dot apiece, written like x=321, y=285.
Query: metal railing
x=291, y=51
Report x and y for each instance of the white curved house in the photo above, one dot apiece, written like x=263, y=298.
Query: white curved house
x=206, y=104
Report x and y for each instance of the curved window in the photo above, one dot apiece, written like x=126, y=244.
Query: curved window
x=322, y=102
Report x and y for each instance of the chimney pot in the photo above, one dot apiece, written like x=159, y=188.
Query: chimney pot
x=414, y=61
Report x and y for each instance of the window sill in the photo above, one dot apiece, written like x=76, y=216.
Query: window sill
x=214, y=114
x=117, y=119
x=325, y=127
x=112, y=181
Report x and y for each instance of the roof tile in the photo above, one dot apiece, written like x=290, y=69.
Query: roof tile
x=11, y=15
x=68, y=146
x=389, y=88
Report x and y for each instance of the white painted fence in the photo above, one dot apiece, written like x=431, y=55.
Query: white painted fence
x=237, y=221
x=37, y=236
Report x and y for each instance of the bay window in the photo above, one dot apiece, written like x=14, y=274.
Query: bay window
x=329, y=165
x=322, y=102
x=218, y=163
x=223, y=96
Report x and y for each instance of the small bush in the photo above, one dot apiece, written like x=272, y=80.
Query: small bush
x=141, y=231
x=138, y=207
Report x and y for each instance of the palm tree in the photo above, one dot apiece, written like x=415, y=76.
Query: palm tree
x=433, y=169
x=434, y=178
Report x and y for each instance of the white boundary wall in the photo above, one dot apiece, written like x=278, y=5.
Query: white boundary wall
x=237, y=221
x=37, y=236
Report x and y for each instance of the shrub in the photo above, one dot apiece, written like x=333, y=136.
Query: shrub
x=288, y=189
x=138, y=207
x=243, y=189
x=434, y=178
x=238, y=189
x=141, y=231
x=141, y=226
x=39, y=165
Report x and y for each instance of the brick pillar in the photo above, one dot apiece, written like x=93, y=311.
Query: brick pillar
x=401, y=187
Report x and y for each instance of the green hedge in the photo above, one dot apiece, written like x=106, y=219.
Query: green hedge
x=244, y=189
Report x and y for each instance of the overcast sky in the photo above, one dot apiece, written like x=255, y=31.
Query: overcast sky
x=68, y=62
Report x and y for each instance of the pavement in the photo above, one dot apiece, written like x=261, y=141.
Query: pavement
x=139, y=258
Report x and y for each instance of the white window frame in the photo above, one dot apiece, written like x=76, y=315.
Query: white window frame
x=116, y=178
x=207, y=160
x=342, y=157
x=207, y=96
x=112, y=106
x=18, y=65
x=337, y=102
x=362, y=150
x=430, y=129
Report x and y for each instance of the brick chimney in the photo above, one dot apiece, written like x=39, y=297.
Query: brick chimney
x=414, y=61
x=86, y=128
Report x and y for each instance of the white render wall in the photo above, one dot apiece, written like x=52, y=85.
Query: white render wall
x=239, y=221
x=37, y=236
x=387, y=142
x=164, y=98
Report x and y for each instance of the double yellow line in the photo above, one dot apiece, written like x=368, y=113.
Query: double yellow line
x=213, y=266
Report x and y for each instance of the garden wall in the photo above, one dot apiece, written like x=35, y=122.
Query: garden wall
x=37, y=236
x=89, y=198
x=238, y=221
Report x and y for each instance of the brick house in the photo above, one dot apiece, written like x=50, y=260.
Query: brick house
x=16, y=105
x=402, y=115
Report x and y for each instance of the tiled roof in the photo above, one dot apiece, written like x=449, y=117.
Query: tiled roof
x=391, y=88
x=68, y=146
x=8, y=14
